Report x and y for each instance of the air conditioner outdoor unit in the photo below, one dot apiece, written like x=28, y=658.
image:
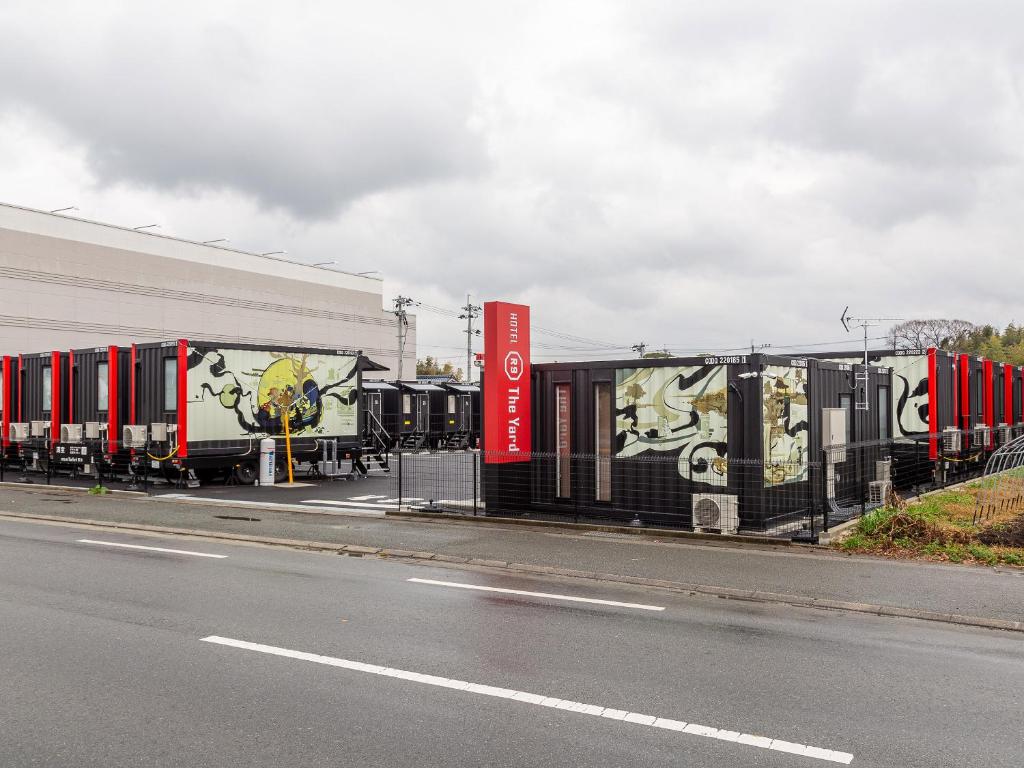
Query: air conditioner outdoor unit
x=1005, y=433
x=716, y=512
x=38, y=428
x=71, y=433
x=158, y=432
x=134, y=436
x=981, y=435
x=952, y=440
x=19, y=432
x=883, y=470
x=92, y=430
x=878, y=491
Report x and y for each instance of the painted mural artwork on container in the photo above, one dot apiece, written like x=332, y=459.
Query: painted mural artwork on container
x=678, y=411
x=910, y=399
x=785, y=428
x=241, y=393
x=910, y=396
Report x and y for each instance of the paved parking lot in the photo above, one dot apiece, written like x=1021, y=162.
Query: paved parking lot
x=445, y=480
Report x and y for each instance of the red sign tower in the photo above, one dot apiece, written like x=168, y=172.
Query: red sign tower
x=506, y=391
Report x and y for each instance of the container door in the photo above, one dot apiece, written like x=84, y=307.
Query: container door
x=465, y=413
x=373, y=411
x=423, y=413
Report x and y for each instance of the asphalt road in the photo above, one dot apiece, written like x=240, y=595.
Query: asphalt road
x=965, y=590
x=103, y=662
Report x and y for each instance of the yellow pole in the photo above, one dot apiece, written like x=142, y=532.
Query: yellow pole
x=288, y=443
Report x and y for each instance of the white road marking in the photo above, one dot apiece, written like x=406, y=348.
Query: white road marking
x=357, y=509
x=548, y=595
x=151, y=549
x=537, y=699
x=359, y=504
x=365, y=498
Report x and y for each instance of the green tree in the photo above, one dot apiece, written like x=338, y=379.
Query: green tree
x=429, y=366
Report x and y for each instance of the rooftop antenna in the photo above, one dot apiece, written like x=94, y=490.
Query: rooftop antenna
x=864, y=323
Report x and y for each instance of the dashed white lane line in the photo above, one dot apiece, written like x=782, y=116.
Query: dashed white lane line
x=151, y=549
x=546, y=595
x=693, y=729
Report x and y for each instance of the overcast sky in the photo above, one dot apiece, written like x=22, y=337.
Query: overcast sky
x=688, y=174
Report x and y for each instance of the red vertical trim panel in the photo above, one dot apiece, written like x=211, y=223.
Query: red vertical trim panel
x=965, y=393
x=54, y=397
x=132, y=394
x=988, y=404
x=112, y=399
x=8, y=401
x=933, y=402
x=182, y=398
x=1008, y=394
x=71, y=386
x=506, y=382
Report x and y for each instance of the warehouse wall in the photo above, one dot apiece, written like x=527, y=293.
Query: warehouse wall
x=67, y=283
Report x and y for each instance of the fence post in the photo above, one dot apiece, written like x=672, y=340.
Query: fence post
x=49, y=460
x=824, y=489
x=476, y=459
x=399, y=479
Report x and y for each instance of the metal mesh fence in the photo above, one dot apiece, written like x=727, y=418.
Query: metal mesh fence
x=715, y=494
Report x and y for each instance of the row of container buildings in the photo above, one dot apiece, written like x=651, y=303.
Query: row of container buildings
x=201, y=408
x=755, y=442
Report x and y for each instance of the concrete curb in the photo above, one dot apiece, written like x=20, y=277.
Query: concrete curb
x=660, y=533
x=32, y=487
x=725, y=540
x=413, y=556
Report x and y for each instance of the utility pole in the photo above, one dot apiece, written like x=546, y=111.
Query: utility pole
x=470, y=312
x=754, y=347
x=865, y=323
x=640, y=348
x=401, y=316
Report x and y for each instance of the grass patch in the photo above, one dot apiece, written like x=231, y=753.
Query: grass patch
x=941, y=527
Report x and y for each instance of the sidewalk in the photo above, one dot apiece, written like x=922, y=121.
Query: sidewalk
x=799, y=571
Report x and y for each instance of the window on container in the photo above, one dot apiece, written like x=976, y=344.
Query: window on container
x=846, y=403
x=102, y=387
x=883, y=413
x=170, y=383
x=406, y=403
x=563, y=440
x=451, y=403
x=603, y=442
x=47, y=389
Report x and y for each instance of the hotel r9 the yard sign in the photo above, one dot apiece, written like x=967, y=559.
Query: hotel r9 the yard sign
x=506, y=382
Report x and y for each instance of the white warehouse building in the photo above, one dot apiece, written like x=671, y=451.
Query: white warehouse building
x=69, y=283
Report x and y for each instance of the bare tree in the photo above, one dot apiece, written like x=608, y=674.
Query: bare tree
x=935, y=332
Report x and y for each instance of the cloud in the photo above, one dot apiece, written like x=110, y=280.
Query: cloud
x=687, y=174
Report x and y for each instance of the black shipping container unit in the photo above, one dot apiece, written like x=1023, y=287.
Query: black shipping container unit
x=10, y=403
x=420, y=415
x=205, y=406
x=975, y=398
x=42, y=400
x=97, y=407
x=659, y=438
x=461, y=415
x=380, y=406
